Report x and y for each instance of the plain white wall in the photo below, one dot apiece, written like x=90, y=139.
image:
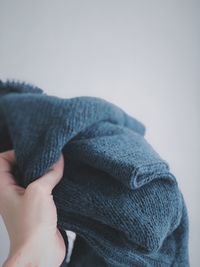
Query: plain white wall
x=141, y=55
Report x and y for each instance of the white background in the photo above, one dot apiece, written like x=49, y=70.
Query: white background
x=141, y=55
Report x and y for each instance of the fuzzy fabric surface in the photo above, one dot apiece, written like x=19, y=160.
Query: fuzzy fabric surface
x=117, y=193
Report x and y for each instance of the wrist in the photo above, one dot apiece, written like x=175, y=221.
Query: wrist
x=35, y=253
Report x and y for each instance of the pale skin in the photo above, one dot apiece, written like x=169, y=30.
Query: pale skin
x=30, y=217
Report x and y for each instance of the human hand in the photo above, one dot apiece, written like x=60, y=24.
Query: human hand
x=30, y=217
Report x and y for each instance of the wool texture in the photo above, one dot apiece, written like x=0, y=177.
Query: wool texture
x=117, y=193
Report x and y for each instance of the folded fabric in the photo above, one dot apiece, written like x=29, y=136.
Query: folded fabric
x=116, y=193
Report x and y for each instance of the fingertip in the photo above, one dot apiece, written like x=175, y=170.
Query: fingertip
x=58, y=165
x=8, y=155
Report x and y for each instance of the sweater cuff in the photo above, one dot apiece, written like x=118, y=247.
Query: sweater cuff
x=64, y=235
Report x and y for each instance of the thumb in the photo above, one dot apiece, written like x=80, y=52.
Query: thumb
x=50, y=179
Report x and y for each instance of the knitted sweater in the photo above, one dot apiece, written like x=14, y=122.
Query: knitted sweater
x=116, y=193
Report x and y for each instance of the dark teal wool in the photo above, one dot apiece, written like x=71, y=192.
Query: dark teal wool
x=116, y=193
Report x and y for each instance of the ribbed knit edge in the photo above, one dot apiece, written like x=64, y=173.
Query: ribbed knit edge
x=15, y=86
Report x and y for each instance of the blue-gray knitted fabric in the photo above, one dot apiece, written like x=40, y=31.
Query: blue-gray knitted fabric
x=117, y=193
